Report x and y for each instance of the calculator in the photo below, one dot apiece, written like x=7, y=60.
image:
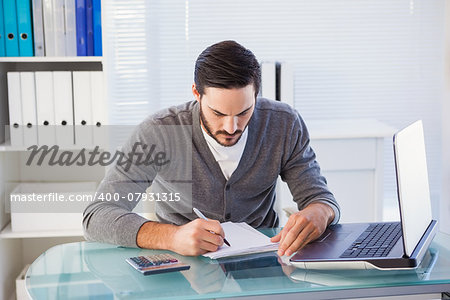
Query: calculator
x=156, y=264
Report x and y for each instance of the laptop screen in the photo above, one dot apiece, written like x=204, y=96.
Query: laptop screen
x=412, y=184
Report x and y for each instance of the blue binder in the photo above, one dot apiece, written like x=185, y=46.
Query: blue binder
x=89, y=28
x=10, y=19
x=24, y=28
x=97, y=16
x=2, y=32
x=81, y=27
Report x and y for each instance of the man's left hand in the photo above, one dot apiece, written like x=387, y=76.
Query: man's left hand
x=303, y=227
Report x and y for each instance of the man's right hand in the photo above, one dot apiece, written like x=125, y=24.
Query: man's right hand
x=193, y=238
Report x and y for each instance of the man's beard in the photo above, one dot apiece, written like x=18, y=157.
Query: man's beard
x=209, y=131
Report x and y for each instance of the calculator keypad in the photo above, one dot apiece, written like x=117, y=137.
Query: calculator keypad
x=153, y=260
x=156, y=264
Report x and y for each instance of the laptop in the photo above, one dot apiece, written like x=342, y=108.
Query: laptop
x=384, y=245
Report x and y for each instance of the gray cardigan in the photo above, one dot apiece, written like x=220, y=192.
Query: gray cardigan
x=278, y=144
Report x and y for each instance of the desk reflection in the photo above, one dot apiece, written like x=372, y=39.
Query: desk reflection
x=360, y=277
x=205, y=276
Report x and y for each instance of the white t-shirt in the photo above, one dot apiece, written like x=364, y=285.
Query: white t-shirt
x=227, y=157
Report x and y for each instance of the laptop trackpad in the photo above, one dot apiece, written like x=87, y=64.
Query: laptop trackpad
x=333, y=235
x=332, y=243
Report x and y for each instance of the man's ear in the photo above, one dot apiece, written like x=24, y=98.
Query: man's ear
x=195, y=92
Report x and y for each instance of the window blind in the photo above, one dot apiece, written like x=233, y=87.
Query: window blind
x=352, y=59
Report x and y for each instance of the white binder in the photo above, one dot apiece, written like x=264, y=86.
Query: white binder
x=70, y=33
x=28, y=96
x=3, y=121
x=49, y=34
x=287, y=84
x=15, y=109
x=268, y=80
x=45, y=108
x=99, y=112
x=99, y=109
x=38, y=28
x=82, y=108
x=62, y=95
x=58, y=27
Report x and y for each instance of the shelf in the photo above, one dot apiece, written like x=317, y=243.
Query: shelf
x=7, y=233
x=6, y=147
x=39, y=59
x=349, y=128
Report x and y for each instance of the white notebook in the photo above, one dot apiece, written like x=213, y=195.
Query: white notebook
x=243, y=239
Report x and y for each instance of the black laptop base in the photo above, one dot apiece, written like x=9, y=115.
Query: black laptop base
x=325, y=252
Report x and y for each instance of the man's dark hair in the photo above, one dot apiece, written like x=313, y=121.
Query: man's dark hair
x=226, y=65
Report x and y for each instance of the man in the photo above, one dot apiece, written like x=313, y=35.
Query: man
x=239, y=144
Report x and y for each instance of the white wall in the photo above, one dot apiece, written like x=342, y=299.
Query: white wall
x=10, y=249
x=445, y=197
x=11, y=264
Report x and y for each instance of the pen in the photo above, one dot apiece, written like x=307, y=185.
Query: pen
x=200, y=215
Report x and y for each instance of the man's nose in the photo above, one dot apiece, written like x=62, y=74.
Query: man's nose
x=230, y=125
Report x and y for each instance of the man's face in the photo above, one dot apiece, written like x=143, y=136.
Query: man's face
x=225, y=113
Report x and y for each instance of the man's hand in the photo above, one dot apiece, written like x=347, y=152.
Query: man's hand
x=303, y=227
x=193, y=238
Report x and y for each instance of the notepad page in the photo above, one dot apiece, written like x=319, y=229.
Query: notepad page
x=243, y=239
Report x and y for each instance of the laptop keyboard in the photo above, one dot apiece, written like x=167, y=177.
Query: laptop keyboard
x=376, y=241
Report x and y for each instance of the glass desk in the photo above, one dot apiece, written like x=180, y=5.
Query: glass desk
x=93, y=270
